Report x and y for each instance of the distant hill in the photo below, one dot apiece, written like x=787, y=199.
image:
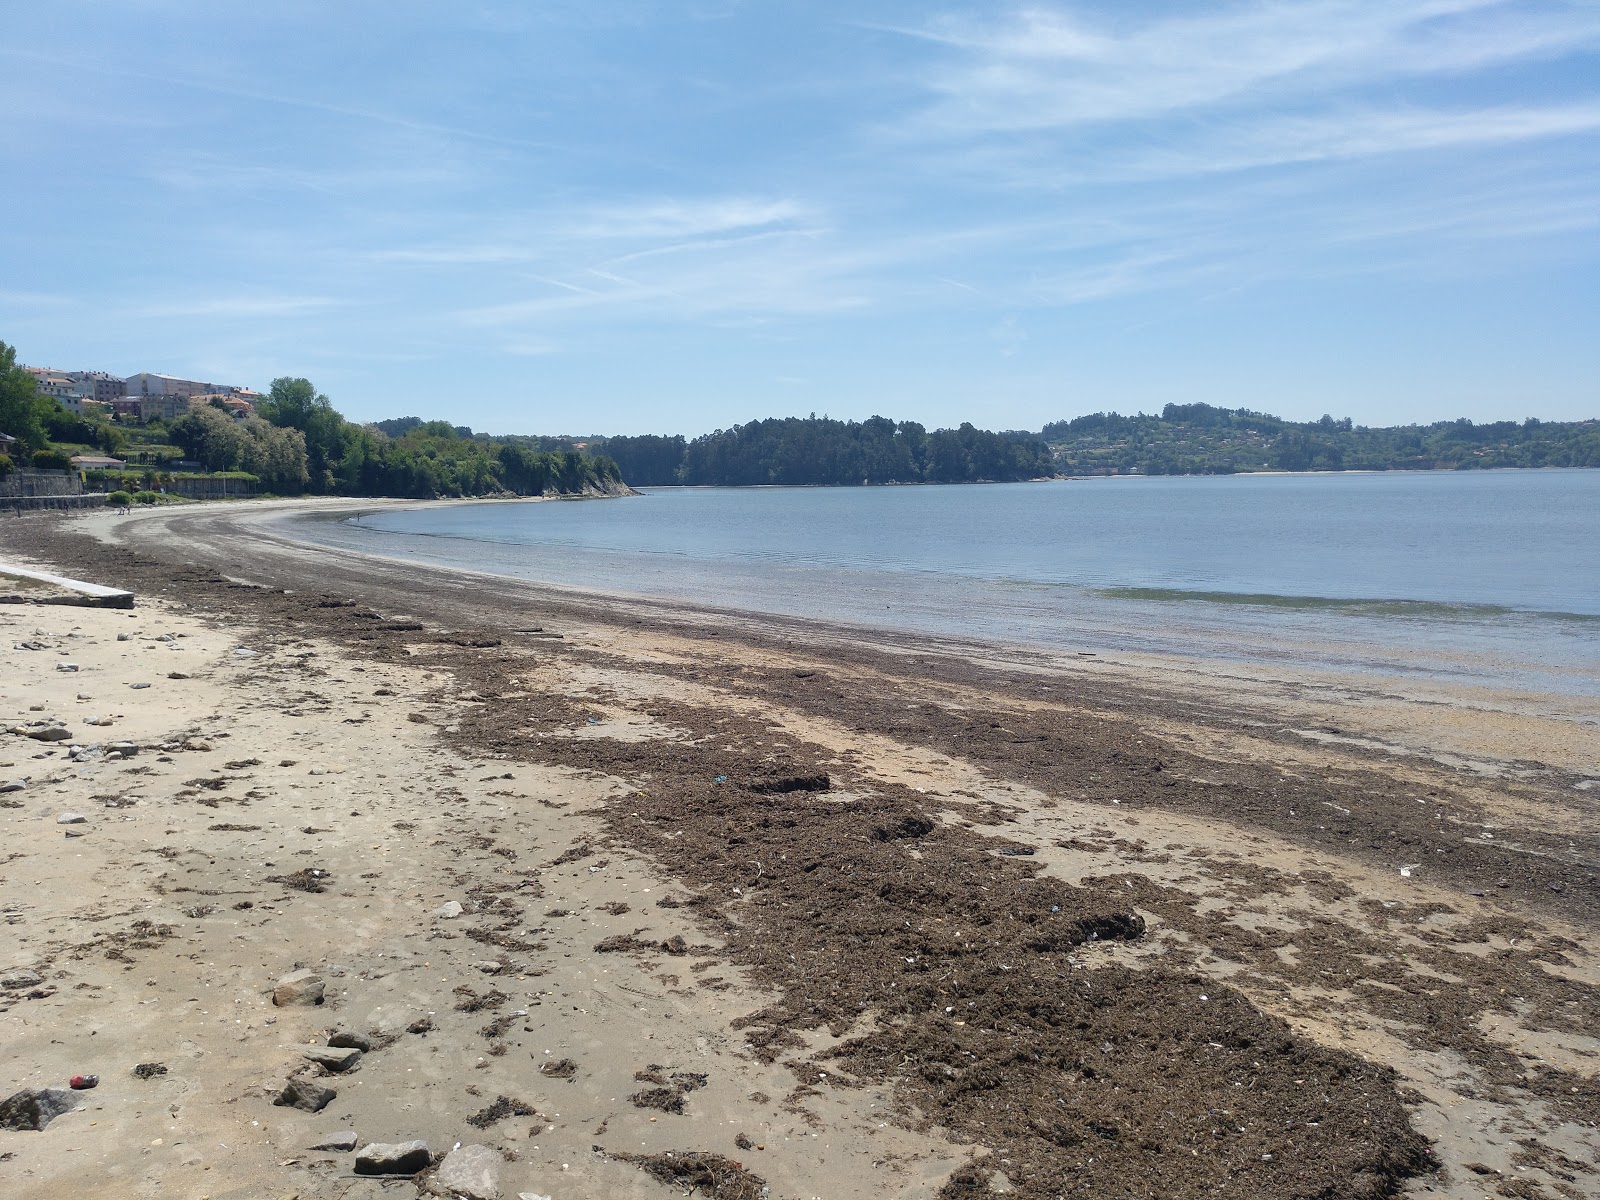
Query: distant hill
x=819, y=450
x=1199, y=439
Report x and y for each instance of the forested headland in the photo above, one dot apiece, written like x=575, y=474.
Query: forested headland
x=1198, y=439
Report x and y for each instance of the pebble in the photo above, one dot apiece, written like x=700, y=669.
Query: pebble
x=71, y=818
x=341, y=1142
x=350, y=1039
x=305, y=1095
x=335, y=1058
x=298, y=988
x=393, y=1158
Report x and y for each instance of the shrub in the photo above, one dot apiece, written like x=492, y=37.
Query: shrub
x=119, y=499
x=145, y=497
x=51, y=460
x=6, y=465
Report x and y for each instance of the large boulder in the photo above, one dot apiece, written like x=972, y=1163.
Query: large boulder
x=34, y=1108
x=472, y=1172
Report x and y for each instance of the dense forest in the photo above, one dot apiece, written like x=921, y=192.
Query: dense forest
x=818, y=450
x=1198, y=439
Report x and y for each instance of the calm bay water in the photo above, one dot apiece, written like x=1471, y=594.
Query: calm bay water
x=1493, y=576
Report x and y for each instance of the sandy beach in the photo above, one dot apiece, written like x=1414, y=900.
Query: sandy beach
x=644, y=899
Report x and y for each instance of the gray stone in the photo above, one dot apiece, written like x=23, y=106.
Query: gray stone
x=71, y=818
x=34, y=1108
x=138, y=687
x=126, y=749
x=67, y=666
x=334, y=1058
x=298, y=988
x=23, y=978
x=342, y=1142
x=305, y=1095
x=449, y=909
x=350, y=1039
x=13, y=785
x=393, y=1158
x=51, y=733
x=470, y=1171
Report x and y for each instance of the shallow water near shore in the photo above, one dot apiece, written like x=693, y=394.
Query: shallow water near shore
x=1472, y=577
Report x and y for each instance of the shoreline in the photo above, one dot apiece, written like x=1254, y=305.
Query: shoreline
x=1200, y=813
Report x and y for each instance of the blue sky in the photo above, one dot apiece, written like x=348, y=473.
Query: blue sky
x=646, y=216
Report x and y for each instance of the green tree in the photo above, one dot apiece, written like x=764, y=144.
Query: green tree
x=22, y=409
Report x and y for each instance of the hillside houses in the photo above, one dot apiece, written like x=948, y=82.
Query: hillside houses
x=138, y=399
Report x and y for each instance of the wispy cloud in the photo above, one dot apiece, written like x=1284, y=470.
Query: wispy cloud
x=1050, y=68
x=235, y=306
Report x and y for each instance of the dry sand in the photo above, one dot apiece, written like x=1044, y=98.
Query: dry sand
x=388, y=731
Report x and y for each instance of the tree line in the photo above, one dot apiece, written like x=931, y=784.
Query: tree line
x=298, y=442
x=1200, y=439
x=822, y=451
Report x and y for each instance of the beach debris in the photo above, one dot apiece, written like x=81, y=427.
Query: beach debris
x=667, y=1099
x=339, y=1142
x=82, y=1083
x=393, y=1158
x=1408, y=868
x=689, y=1171
x=149, y=1070
x=334, y=1058
x=561, y=1068
x=304, y=987
x=469, y=1171
x=792, y=783
x=503, y=1107
x=34, y=1108
x=69, y=667
x=307, y=879
x=305, y=1095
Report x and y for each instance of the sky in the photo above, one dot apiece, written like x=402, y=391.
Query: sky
x=652, y=216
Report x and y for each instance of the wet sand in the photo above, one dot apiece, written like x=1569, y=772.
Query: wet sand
x=1118, y=927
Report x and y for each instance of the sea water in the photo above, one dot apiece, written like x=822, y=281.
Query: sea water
x=1491, y=576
